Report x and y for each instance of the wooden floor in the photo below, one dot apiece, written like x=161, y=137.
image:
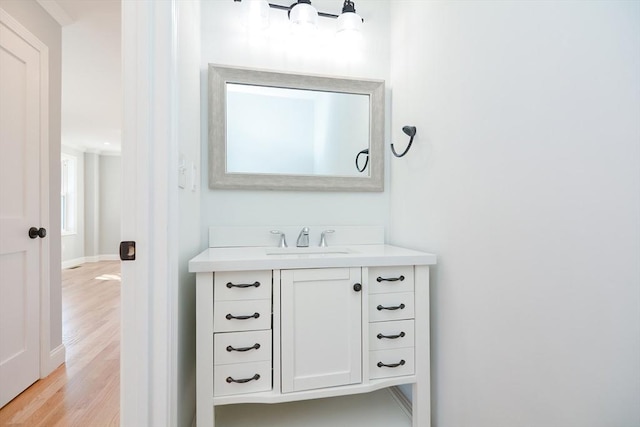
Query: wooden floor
x=85, y=391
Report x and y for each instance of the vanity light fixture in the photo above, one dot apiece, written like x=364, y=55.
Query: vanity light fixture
x=304, y=16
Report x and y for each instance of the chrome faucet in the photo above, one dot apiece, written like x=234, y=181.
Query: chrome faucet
x=323, y=238
x=283, y=238
x=303, y=238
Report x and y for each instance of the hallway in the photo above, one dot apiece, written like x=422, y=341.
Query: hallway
x=85, y=390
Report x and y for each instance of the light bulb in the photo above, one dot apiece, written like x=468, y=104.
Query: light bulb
x=303, y=17
x=349, y=21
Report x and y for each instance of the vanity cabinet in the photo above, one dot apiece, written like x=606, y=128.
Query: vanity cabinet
x=310, y=326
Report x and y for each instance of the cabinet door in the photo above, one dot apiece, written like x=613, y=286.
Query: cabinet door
x=321, y=328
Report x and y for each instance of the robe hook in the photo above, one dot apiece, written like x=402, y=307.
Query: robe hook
x=411, y=132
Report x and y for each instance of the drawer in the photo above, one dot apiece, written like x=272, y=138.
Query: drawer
x=242, y=378
x=241, y=285
x=391, y=279
x=230, y=316
x=391, y=363
x=241, y=347
x=395, y=306
x=387, y=335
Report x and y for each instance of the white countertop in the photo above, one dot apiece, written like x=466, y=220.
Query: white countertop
x=268, y=258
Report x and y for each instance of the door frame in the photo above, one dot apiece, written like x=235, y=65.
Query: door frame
x=49, y=360
x=148, y=365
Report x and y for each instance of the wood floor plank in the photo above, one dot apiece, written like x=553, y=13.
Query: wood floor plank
x=85, y=391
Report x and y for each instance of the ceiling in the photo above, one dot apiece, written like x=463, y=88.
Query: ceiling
x=91, y=73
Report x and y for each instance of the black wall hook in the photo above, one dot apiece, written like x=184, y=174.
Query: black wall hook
x=411, y=131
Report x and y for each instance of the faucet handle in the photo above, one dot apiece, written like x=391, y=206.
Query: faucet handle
x=283, y=238
x=323, y=240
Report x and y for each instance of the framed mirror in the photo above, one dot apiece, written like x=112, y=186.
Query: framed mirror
x=280, y=131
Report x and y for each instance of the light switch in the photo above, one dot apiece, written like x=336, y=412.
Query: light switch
x=193, y=176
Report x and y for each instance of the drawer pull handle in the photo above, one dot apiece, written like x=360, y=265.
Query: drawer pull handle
x=391, y=337
x=381, y=307
x=251, y=316
x=245, y=380
x=243, y=285
x=389, y=279
x=393, y=365
x=253, y=347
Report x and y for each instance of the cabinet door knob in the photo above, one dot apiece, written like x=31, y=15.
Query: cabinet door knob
x=357, y=287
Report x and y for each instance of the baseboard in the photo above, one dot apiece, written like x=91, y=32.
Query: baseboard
x=73, y=262
x=97, y=258
x=402, y=400
x=56, y=357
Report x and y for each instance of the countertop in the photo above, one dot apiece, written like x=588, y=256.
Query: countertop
x=270, y=258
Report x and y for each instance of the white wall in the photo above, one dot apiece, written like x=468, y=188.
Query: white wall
x=524, y=178
x=110, y=204
x=99, y=209
x=226, y=42
x=73, y=244
x=43, y=26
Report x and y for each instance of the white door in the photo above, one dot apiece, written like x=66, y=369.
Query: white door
x=321, y=325
x=19, y=210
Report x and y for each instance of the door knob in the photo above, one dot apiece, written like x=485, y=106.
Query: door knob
x=37, y=232
x=357, y=287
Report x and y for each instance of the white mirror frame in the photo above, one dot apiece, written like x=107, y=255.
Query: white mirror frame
x=219, y=76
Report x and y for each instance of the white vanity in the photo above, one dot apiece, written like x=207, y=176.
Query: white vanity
x=284, y=324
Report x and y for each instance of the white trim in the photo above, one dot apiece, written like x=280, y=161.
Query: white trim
x=45, y=274
x=402, y=400
x=148, y=347
x=73, y=262
x=57, y=357
x=57, y=12
x=79, y=261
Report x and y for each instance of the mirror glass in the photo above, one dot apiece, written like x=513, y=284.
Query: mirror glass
x=280, y=131
x=274, y=130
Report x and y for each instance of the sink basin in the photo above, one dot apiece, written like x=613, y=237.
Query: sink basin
x=336, y=250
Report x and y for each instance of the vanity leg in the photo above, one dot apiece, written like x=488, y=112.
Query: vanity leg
x=421, y=404
x=205, y=413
